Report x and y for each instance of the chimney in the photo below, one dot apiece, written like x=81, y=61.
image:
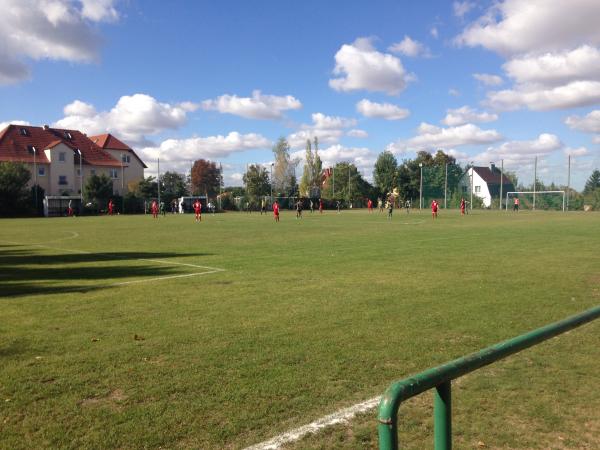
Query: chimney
x=492, y=167
x=46, y=127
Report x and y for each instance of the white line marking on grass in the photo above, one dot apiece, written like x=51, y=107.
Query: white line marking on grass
x=341, y=416
x=123, y=283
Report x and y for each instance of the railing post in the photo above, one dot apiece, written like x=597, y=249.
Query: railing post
x=388, y=434
x=442, y=411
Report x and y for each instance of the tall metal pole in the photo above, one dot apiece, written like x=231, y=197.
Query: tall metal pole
x=35, y=188
x=471, y=178
x=421, y=187
x=534, y=181
x=501, y=183
x=446, y=188
x=122, y=184
x=220, y=183
x=333, y=182
x=158, y=179
x=568, y=182
x=349, y=189
x=80, y=179
x=271, y=183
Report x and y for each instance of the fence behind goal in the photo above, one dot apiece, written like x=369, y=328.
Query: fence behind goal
x=538, y=200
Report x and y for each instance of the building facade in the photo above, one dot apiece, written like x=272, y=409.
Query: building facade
x=61, y=160
x=485, y=183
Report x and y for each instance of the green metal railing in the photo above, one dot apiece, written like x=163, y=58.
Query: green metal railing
x=441, y=377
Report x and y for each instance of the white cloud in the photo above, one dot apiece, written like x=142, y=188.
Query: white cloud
x=488, y=79
x=361, y=67
x=49, y=29
x=462, y=8
x=588, y=124
x=381, y=110
x=328, y=129
x=132, y=119
x=517, y=153
x=410, y=47
x=358, y=133
x=465, y=114
x=258, y=106
x=523, y=26
x=3, y=125
x=434, y=32
x=454, y=92
x=362, y=157
x=555, y=69
x=574, y=94
x=430, y=136
x=176, y=154
x=580, y=151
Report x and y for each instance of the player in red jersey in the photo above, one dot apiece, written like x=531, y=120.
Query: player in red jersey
x=276, y=211
x=154, y=209
x=463, y=206
x=434, y=209
x=516, y=204
x=198, y=210
x=370, y=205
x=111, y=207
x=320, y=206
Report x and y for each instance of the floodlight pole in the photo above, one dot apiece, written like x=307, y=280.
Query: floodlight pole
x=158, y=177
x=80, y=179
x=271, y=183
x=501, y=183
x=421, y=187
x=35, y=188
x=220, y=183
x=349, y=189
x=534, y=181
x=568, y=182
x=471, y=204
x=333, y=182
x=446, y=188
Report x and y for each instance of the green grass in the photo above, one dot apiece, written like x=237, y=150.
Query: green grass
x=307, y=317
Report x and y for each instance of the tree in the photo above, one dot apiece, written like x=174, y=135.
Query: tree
x=146, y=188
x=257, y=181
x=284, y=169
x=14, y=195
x=206, y=178
x=592, y=183
x=306, y=180
x=385, y=173
x=173, y=185
x=98, y=189
x=357, y=188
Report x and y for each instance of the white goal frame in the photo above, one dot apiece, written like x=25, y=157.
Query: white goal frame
x=534, y=194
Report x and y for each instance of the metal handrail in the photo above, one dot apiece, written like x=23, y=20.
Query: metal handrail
x=441, y=377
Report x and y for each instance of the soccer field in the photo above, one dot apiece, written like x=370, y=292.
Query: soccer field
x=130, y=332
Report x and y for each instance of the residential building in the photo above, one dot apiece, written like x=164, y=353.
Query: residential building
x=485, y=183
x=61, y=160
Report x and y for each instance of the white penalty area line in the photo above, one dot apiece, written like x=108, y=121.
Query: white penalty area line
x=341, y=416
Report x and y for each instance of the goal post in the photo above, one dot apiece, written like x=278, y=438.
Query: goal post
x=537, y=193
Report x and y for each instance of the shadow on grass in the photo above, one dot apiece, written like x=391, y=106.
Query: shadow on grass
x=24, y=272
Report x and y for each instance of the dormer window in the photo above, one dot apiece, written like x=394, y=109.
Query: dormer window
x=24, y=132
x=125, y=158
x=31, y=149
x=68, y=135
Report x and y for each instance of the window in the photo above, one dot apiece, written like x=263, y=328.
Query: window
x=24, y=132
x=113, y=173
x=41, y=171
x=477, y=188
x=125, y=158
x=68, y=135
x=62, y=156
x=93, y=172
x=31, y=149
x=62, y=180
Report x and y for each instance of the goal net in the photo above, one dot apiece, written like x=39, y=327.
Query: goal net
x=540, y=200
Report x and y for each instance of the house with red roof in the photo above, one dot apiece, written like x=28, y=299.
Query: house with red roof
x=485, y=183
x=61, y=160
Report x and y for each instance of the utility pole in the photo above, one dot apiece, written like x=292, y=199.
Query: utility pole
x=471, y=204
x=158, y=177
x=568, y=182
x=534, y=180
x=271, y=183
x=349, y=189
x=421, y=188
x=446, y=188
x=333, y=182
x=35, y=187
x=501, y=182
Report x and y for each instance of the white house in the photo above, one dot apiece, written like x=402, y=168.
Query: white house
x=485, y=182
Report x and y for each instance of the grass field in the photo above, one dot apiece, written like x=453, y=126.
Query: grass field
x=128, y=332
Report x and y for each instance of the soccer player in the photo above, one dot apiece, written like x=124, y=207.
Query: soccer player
x=312, y=206
x=299, y=209
x=407, y=206
x=198, y=210
x=516, y=205
x=370, y=205
x=462, y=206
x=154, y=209
x=162, y=208
x=110, y=207
x=263, y=207
x=338, y=205
x=276, y=211
x=70, y=209
x=320, y=206
x=434, y=209
x=390, y=208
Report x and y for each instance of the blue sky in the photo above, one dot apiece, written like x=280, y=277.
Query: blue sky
x=485, y=81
